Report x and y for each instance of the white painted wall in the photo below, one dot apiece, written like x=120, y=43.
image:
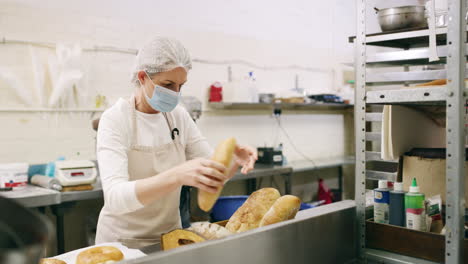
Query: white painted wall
x=272, y=33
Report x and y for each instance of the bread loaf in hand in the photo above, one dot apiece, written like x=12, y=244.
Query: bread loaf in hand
x=283, y=209
x=223, y=154
x=249, y=215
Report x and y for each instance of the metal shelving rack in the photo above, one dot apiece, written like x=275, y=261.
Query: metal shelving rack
x=452, y=46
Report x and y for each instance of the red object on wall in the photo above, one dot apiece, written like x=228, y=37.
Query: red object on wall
x=324, y=193
x=216, y=92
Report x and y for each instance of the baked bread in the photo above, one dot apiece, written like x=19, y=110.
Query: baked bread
x=223, y=154
x=249, y=215
x=51, y=261
x=283, y=209
x=179, y=237
x=209, y=230
x=99, y=255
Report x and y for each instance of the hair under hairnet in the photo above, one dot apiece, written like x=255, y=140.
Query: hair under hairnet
x=159, y=55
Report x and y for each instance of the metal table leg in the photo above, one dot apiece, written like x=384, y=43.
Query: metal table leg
x=251, y=186
x=287, y=183
x=59, y=211
x=41, y=209
x=340, y=182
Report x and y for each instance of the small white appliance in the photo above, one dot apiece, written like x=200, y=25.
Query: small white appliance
x=75, y=172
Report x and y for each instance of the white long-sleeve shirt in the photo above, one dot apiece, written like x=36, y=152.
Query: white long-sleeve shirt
x=114, y=138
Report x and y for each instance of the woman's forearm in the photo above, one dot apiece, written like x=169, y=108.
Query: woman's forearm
x=153, y=188
x=232, y=170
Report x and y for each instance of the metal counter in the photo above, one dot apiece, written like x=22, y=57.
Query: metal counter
x=82, y=195
x=262, y=170
x=33, y=196
x=320, y=235
x=62, y=202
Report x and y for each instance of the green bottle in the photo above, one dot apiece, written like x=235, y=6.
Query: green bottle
x=414, y=208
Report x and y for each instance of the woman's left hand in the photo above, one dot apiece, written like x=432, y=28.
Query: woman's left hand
x=245, y=156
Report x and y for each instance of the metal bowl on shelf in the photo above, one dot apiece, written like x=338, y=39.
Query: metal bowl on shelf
x=23, y=233
x=403, y=17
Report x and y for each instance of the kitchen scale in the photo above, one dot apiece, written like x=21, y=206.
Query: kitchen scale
x=75, y=172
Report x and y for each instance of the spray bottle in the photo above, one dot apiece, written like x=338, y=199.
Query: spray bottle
x=414, y=207
x=253, y=88
x=381, y=203
x=397, y=205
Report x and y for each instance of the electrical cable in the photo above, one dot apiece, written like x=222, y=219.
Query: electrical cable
x=314, y=169
x=292, y=143
x=274, y=183
x=3, y=40
x=259, y=184
x=266, y=68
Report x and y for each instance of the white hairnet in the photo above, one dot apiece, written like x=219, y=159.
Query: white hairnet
x=159, y=55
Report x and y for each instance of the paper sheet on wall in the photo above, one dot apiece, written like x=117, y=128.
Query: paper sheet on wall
x=70, y=257
x=404, y=128
x=385, y=151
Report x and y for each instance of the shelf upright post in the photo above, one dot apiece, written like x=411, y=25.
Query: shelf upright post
x=360, y=125
x=455, y=180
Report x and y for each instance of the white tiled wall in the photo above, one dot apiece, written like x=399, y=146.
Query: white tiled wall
x=272, y=33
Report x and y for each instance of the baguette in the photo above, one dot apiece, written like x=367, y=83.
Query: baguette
x=249, y=215
x=283, y=209
x=209, y=230
x=51, y=261
x=223, y=154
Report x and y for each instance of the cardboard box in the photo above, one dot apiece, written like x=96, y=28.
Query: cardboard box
x=428, y=167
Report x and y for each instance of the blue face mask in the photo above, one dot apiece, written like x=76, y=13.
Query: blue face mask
x=163, y=99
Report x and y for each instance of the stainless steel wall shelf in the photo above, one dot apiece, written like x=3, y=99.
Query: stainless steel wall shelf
x=284, y=106
x=381, y=175
x=452, y=46
x=379, y=256
x=411, y=57
x=430, y=95
x=400, y=77
x=405, y=39
x=375, y=156
x=373, y=136
x=374, y=117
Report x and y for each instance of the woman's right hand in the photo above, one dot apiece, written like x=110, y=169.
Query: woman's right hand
x=204, y=174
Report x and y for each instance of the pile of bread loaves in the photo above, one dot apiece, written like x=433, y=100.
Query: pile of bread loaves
x=94, y=255
x=263, y=207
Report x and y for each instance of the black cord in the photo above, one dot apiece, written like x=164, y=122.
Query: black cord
x=274, y=183
x=259, y=183
x=292, y=143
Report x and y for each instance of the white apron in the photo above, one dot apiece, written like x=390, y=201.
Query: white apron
x=144, y=227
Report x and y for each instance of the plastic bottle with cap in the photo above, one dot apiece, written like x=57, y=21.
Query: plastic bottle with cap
x=414, y=208
x=50, y=168
x=253, y=90
x=381, y=203
x=397, y=205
